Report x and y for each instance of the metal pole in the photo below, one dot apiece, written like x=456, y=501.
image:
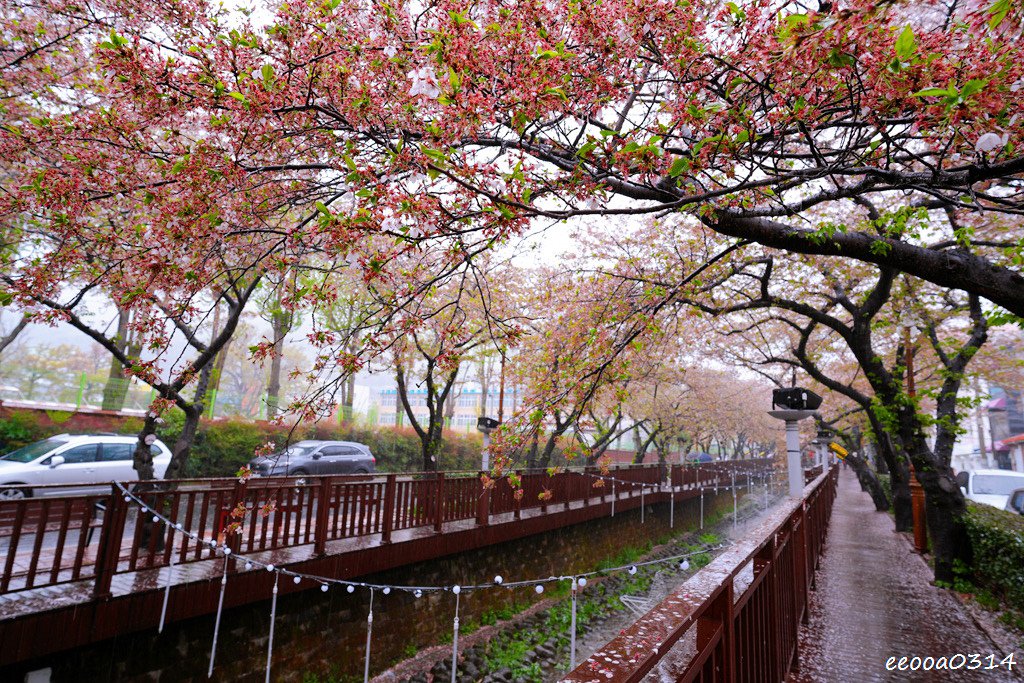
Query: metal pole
x=613, y=497
x=369, y=636
x=455, y=639
x=701, y=507
x=796, y=470
x=273, y=617
x=572, y=630
x=485, y=459
x=642, y=489
x=734, y=507
x=672, y=509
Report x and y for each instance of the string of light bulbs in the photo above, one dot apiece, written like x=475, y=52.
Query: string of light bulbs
x=577, y=580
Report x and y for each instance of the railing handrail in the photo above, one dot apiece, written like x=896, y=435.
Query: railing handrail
x=640, y=647
x=320, y=509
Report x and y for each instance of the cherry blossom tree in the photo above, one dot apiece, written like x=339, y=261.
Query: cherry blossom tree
x=878, y=322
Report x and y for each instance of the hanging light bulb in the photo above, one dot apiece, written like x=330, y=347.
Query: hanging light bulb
x=684, y=565
x=297, y=579
x=456, y=589
x=632, y=570
x=498, y=580
x=581, y=582
x=144, y=509
x=155, y=519
x=539, y=588
x=270, y=567
x=226, y=550
x=323, y=588
x=248, y=565
x=351, y=588
x=127, y=499
x=417, y=593
x=387, y=590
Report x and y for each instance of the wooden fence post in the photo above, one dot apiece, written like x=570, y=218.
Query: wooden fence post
x=439, y=503
x=109, y=551
x=390, y=494
x=719, y=615
x=323, y=508
x=483, y=504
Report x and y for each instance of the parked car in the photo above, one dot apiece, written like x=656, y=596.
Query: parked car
x=315, y=458
x=1015, y=502
x=991, y=487
x=74, y=459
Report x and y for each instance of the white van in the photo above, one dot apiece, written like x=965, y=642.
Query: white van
x=74, y=459
x=991, y=487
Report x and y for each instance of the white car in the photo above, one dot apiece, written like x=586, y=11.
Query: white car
x=74, y=459
x=991, y=487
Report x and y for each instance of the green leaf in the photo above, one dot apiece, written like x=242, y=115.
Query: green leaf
x=586, y=149
x=906, y=45
x=558, y=92
x=678, y=167
x=435, y=154
x=932, y=92
x=267, y=72
x=972, y=87
x=238, y=96
x=737, y=12
x=322, y=208
x=997, y=12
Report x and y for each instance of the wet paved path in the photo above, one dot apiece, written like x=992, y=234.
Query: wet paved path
x=874, y=601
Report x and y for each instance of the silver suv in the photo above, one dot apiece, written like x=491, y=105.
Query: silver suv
x=315, y=458
x=74, y=459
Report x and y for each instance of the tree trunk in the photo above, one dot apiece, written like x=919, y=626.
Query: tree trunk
x=142, y=459
x=869, y=482
x=116, y=388
x=544, y=460
x=902, y=505
x=944, y=511
x=279, y=325
x=899, y=475
x=183, y=444
x=531, y=456
x=349, y=398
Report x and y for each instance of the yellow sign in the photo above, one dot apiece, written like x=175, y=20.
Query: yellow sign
x=840, y=452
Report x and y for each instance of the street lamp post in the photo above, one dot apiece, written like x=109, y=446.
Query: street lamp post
x=798, y=404
x=486, y=425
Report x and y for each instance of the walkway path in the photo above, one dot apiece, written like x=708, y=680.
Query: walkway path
x=874, y=601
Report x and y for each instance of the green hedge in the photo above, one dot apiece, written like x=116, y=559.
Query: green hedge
x=221, y=447
x=997, y=543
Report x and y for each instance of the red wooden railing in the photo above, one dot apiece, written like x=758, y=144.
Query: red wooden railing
x=736, y=619
x=52, y=540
